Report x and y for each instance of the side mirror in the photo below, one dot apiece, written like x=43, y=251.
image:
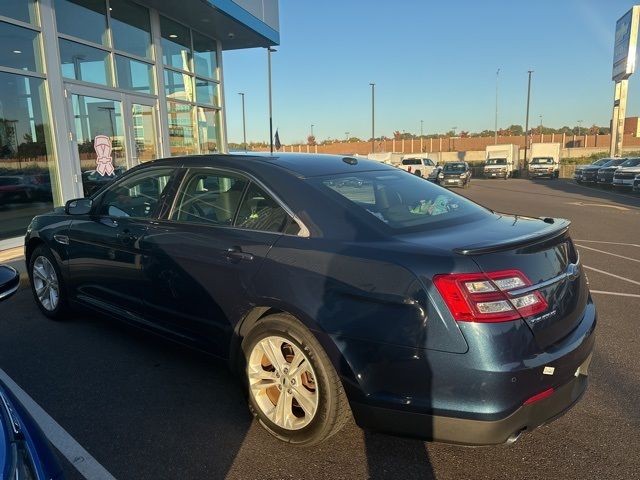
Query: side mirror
x=9, y=281
x=79, y=206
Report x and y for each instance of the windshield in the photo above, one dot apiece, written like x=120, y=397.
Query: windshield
x=497, y=161
x=600, y=162
x=454, y=168
x=542, y=160
x=399, y=200
x=614, y=163
x=632, y=162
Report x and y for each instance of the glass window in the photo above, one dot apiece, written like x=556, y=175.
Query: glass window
x=208, y=129
x=81, y=62
x=134, y=75
x=260, y=212
x=401, y=201
x=19, y=47
x=178, y=86
x=130, y=27
x=99, y=133
x=23, y=10
x=85, y=19
x=136, y=197
x=182, y=139
x=206, y=92
x=210, y=198
x=204, y=56
x=144, y=132
x=176, y=44
x=28, y=178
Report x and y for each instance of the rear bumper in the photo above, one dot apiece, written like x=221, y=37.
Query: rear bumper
x=468, y=431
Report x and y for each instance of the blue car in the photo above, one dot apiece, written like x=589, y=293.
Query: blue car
x=336, y=287
x=25, y=453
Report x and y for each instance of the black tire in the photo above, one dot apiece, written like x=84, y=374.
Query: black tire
x=333, y=408
x=418, y=173
x=61, y=310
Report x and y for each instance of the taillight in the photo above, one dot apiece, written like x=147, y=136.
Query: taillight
x=540, y=396
x=486, y=297
x=409, y=170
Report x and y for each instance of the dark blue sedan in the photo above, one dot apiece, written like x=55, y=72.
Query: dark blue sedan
x=335, y=286
x=25, y=453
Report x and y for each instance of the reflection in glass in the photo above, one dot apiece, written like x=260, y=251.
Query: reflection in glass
x=23, y=10
x=85, y=19
x=100, y=137
x=204, y=56
x=134, y=75
x=81, y=62
x=176, y=44
x=178, y=86
x=206, y=92
x=28, y=176
x=181, y=129
x=19, y=48
x=208, y=129
x=144, y=132
x=130, y=27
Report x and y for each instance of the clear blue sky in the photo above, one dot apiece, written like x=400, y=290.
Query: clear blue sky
x=431, y=61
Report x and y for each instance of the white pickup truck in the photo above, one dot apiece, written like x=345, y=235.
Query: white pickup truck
x=420, y=166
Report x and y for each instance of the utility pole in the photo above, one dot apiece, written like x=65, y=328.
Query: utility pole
x=373, y=117
x=244, y=124
x=526, y=125
x=495, y=136
x=269, y=50
x=421, y=128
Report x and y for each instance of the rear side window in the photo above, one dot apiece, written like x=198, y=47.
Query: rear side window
x=411, y=161
x=399, y=200
x=210, y=198
x=258, y=211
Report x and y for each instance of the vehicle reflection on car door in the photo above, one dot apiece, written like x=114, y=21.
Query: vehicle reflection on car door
x=105, y=254
x=203, y=258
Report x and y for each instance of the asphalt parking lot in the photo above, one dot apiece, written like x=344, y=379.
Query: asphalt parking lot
x=141, y=408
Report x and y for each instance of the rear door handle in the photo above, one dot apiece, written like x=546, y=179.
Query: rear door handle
x=236, y=254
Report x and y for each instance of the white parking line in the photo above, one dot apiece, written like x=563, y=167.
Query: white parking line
x=612, y=275
x=608, y=243
x=602, y=292
x=58, y=436
x=609, y=253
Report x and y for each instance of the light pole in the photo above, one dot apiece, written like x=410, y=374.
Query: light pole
x=421, y=128
x=373, y=117
x=244, y=124
x=269, y=50
x=526, y=126
x=579, y=127
x=346, y=134
x=495, y=137
x=312, y=129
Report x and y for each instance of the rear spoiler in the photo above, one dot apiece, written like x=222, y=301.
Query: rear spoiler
x=556, y=228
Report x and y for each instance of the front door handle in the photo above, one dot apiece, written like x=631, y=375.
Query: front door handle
x=237, y=255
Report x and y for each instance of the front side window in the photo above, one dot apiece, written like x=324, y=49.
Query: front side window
x=259, y=211
x=210, y=198
x=399, y=200
x=136, y=197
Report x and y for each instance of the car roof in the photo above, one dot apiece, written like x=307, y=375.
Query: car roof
x=299, y=164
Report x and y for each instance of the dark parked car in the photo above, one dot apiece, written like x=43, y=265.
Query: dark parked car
x=335, y=286
x=589, y=173
x=455, y=174
x=605, y=173
x=626, y=172
x=25, y=453
x=636, y=183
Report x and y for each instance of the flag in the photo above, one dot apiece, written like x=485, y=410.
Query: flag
x=277, y=143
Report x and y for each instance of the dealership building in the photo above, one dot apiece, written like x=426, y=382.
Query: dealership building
x=90, y=88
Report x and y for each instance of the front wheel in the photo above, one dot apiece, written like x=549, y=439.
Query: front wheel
x=293, y=389
x=47, y=284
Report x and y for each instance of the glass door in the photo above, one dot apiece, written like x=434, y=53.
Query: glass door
x=112, y=132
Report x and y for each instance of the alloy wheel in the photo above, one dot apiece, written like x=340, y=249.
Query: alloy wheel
x=283, y=383
x=45, y=282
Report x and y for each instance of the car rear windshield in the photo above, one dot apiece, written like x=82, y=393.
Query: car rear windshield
x=400, y=200
x=542, y=160
x=632, y=162
x=497, y=161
